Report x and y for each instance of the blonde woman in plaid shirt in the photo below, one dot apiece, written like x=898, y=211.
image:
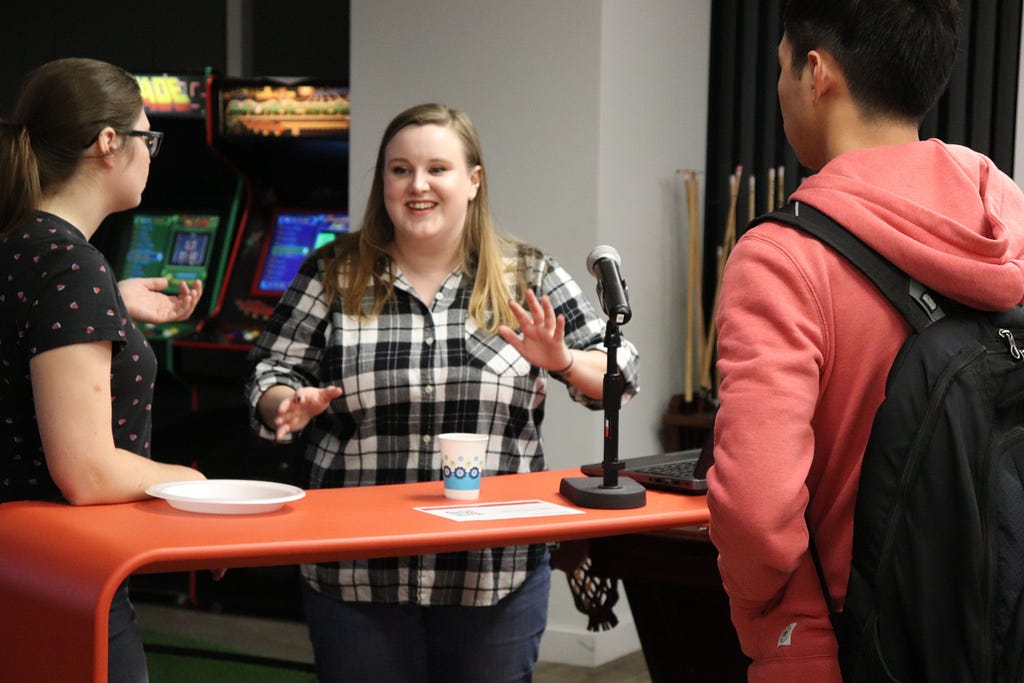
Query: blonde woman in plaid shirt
x=423, y=322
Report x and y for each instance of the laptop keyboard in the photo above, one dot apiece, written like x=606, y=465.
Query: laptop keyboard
x=682, y=470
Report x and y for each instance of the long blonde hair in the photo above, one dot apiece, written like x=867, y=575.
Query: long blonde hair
x=358, y=261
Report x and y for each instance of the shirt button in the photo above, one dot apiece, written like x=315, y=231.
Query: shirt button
x=428, y=341
x=439, y=296
x=426, y=438
x=428, y=389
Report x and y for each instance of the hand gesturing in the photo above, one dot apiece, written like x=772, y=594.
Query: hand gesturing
x=294, y=413
x=542, y=341
x=147, y=302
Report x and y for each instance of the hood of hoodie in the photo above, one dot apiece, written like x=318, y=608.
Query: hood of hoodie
x=942, y=213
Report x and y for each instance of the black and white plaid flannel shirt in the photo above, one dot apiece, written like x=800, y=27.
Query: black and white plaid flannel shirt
x=413, y=372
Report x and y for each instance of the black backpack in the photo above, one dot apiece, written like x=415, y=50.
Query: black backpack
x=935, y=590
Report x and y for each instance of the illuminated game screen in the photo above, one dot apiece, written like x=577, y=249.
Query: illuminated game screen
x=281, y=111
x=176, y=246
x=293, y=237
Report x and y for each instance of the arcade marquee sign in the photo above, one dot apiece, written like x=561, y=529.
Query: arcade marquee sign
x=251, y=110
x=285, y=111
x=174, y=95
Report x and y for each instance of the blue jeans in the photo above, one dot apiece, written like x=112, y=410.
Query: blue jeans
x=383, y=643
x=126, y=661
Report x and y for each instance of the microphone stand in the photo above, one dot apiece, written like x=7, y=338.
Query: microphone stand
x=608, y=493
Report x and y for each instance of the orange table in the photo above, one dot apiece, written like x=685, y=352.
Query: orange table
x=60, y=565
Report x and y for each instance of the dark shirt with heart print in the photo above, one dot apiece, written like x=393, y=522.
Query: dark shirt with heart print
x=57, y=289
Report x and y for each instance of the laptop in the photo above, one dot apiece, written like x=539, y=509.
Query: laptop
x=683, y=471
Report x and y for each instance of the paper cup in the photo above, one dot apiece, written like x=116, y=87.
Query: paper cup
x=462, y=464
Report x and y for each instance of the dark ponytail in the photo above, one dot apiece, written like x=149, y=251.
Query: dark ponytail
x=19, y=176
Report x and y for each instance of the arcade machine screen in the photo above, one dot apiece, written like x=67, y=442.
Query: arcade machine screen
x=176, y=246
x=294, y=235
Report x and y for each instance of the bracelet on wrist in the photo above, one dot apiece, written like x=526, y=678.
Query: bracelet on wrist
x=567, y=368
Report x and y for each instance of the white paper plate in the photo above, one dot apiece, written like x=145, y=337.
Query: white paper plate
x=226, y=496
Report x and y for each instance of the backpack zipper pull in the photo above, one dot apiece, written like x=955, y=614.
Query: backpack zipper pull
x=1015, y=352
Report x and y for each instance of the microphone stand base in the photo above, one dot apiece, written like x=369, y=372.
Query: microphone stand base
x=590, y=492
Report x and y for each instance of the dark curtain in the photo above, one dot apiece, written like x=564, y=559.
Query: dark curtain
x=745, y=128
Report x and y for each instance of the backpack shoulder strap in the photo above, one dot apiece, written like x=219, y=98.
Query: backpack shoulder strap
x=919, y=306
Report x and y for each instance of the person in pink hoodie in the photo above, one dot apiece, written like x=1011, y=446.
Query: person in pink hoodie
x=806, y=341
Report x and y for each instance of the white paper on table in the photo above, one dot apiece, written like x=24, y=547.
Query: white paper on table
x=483, y=512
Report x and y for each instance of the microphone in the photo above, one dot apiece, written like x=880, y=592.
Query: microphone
x=603, y=262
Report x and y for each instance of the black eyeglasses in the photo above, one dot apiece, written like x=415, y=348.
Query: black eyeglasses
x=152, y=138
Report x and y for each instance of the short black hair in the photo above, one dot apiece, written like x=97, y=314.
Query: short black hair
x=897, y=55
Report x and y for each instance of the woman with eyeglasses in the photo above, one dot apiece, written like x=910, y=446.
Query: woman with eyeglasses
x=76, y=374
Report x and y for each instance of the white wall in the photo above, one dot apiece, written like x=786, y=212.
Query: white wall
x=653, y=113
x=585, y=109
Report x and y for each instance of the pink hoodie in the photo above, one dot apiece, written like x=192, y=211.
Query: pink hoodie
x=805, y=344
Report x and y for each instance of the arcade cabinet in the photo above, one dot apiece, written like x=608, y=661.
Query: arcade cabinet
x=287, y=139
x=191, y=200
x=251, y=178
x=182, y=230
